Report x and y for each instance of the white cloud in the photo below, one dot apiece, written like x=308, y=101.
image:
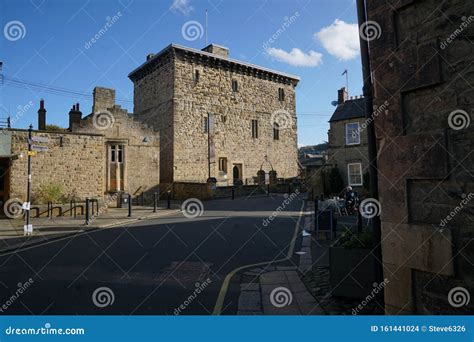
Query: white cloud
x=182, y=6
x=340, y=39
x=296, y=57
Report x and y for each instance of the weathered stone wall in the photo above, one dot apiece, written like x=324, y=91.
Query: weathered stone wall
x=141, y=148
x=168, y=96
x=423, y=63
x=78, y=166
x=341, y=154
x=153, y=104
x=256, y=98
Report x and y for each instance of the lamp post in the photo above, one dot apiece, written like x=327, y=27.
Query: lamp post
x=28, y=228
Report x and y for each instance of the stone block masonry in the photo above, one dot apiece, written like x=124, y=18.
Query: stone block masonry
x=177, y=89
x=76, y=162
x=425, y=161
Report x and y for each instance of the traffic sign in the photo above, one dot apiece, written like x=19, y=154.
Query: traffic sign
x=39, y=148
x=40, y=139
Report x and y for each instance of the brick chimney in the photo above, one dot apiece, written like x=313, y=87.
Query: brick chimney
x=41, y=117
x=75, y=116
x=217, y=50
x=341, y=95
x=103, y=99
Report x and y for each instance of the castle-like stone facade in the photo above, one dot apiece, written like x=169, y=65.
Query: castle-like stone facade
x=198, y=115
x=208, y=107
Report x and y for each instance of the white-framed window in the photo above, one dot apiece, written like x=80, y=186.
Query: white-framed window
x=352, y=133
x=354, y=174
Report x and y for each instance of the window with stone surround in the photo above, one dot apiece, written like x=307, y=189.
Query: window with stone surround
x=354, y=174
x=276, y=131
x=205, y=124
x=281, y=94
x=235, y=86
x=197, y=75
x=223, y=164
x=254, y=129
x=352, y=133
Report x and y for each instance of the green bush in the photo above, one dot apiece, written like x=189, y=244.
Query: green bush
x=49, y=192
x=352, y=240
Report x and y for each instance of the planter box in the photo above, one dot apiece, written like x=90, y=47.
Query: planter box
x=351, y=272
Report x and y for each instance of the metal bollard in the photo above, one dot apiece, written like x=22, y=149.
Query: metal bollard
x=359, y=221
x=169, y=199
x=50, y=210
x=289, y=188
x=87, y=212
x=155, y=201
x=268, y=189
x=129, y=205
x=233, y=193
x=312, y=195
x=142, y=198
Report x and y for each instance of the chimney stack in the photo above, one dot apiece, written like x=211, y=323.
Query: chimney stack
x=341, y=95
x=41, y=117
x=75, y=116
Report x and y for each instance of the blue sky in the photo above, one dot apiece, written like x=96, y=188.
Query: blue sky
x=48, y=42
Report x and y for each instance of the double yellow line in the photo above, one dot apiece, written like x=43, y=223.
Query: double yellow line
x=225, y=284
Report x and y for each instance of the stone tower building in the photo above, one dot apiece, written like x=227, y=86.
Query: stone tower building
x=423, y=68
x=217, y=117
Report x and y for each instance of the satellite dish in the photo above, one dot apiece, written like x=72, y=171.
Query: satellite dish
x=334, y=103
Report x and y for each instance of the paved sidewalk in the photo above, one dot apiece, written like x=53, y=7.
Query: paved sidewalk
x=276, y=290
x=44, y=229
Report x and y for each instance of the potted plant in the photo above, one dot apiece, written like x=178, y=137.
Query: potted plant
x=351, y=265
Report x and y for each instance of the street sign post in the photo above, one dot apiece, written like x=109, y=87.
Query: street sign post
x=40, y=139
x=39, y=148
x=28, y=227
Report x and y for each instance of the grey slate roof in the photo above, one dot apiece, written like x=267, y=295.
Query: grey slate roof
x=350, y=109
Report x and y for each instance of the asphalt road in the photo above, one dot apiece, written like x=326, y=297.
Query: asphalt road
x=159, y=267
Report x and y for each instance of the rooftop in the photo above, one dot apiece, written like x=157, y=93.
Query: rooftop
x=349, y=109
x=156, y=57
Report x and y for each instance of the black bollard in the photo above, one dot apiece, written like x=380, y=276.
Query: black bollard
x=169, y=199
x=316, y=209
x=129, y=205
x=233, y=193
x=359, y=221
x=87, y=212
x=155, y=201
x=312, y=195
x=268, y=190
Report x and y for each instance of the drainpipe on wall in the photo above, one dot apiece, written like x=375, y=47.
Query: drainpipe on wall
x=372, y=143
